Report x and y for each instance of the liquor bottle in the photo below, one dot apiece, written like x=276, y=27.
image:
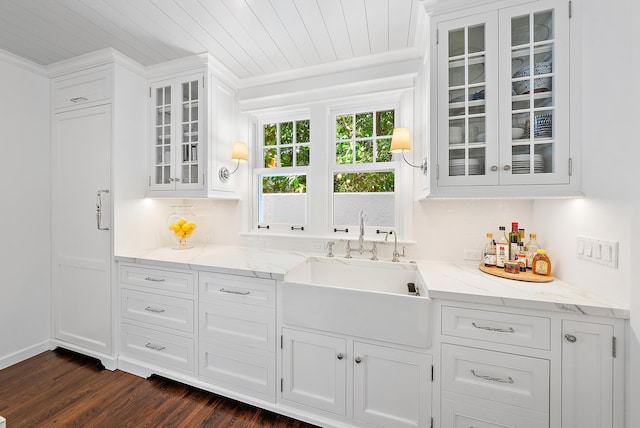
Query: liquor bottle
x=514, y=239
x=502, y=247
x=490, y=251
x=531, y=247
x=521, y=257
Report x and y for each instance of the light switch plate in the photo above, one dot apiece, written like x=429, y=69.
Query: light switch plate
x=595, y=250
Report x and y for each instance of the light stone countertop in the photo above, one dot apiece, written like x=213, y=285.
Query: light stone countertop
x=444, y=280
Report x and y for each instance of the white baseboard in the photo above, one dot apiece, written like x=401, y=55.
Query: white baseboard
x=23, y=354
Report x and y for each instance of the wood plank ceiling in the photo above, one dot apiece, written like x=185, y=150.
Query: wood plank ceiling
x=251, y=37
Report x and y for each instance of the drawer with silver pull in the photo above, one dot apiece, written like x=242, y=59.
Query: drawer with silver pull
x=155, y=347
x=81, y=88
x=497, y=327
x=217, y=287
x=165, y=311
x=158, y=279
x=505, y=378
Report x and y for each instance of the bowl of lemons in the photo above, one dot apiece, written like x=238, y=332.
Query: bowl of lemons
x=181, y=226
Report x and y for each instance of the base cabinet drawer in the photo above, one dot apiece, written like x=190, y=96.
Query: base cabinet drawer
x=163, y=349
x=218, y=287
x=506, y=378
x=239, y=369
x=243, y=325
x=459, y=414
x=497, y=327
x=158, y=279
x=165, y=311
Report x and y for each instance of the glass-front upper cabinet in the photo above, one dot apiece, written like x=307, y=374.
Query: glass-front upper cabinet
x=502, y=108
x=176, y=146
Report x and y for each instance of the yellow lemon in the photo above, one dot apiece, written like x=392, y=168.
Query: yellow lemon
x=182, y=221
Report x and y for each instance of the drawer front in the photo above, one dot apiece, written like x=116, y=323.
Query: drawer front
x=158, y=279
x=155, y=347
x=497, y=327
x=248, y=372
x=238, y=289
x=458, y=414
x=506, y=378
x=249, y=326
x=165, y=311
x=80, y=89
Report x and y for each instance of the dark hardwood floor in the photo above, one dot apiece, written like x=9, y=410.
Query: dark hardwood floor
x=64, y=389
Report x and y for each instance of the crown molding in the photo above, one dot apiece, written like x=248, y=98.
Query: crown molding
x=23, y=63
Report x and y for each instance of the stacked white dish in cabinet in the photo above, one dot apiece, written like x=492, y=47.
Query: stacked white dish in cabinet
x=237, y=348
x=483, y=386
x=158, y=318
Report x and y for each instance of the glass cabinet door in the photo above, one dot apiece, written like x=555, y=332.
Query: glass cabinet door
x=189, y=137
x=162, y=135
x=536, y=145
x=468, y=96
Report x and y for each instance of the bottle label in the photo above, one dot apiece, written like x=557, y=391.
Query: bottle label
x=513, y=255
x=541, y=267
x=502, y=254
x=489, y=259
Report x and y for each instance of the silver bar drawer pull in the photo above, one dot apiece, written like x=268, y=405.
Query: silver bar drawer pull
x=493, y=379
x=152, y=279
x=154, y=310
x=154, y=347
x=78, y=99
x=499, y=330
x=242, y=293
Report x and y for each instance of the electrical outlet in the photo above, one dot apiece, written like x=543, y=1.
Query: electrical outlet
x=472, y=255
x=596, y=250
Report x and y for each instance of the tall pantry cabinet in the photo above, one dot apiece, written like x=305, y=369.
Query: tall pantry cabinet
x=86, y=139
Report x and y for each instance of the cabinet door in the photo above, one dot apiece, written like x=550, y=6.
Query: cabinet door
x=190, y=133
x=467, y=101
x=162, y=147
x=81, y=150
x=392, y=388
x=587, y=375
x=534, y=94
x=314, y=370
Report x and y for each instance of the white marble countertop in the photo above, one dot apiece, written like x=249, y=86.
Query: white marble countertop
x=451, y=281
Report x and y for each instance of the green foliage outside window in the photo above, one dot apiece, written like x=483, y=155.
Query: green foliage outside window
x=284, y=184
x=363, y=182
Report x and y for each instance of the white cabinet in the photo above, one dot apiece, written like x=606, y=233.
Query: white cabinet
x=587, y=374
x=83, y=88
x=387, y=386
x=193, y=126
x=500, y=120
x=81, y=153
x=157, y=314
x=237, y=328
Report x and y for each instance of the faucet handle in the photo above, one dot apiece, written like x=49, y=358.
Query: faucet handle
x=374, y=251
x=347, y=250
x=330, y=245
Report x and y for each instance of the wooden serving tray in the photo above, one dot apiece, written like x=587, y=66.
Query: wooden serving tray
x=528, y=276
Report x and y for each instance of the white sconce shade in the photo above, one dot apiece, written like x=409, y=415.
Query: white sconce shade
x=239, y=151
x=400, y=141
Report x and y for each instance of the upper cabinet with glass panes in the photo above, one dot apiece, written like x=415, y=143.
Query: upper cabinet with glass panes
x=500, y=120
x=192, y=126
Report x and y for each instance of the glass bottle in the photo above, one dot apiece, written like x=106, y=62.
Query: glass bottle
x=514, y=239
x=531, y=247
x=541, y=263
x=521, y=257
x=490, y=251
x=502, y=247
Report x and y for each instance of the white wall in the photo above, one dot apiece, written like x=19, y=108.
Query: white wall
x=25, y=255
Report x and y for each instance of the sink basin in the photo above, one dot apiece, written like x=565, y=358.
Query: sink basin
x=360, y=298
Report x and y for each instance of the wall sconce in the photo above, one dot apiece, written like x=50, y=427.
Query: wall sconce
x=401, y=142
x=239, y=152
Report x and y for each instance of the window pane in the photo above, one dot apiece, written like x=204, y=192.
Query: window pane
x=364, y=125
x=344, y=153
x=385, y=121
x=364, y=151
x=286, y=156
x=270, y=134
x=344, y=127
x=302, y=131
x=283, y=199
x=270, y=158
x=370, y=192
x=302, y=156
x=383, y=153
x=286, y=133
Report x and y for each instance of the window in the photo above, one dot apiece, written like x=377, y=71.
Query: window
x=364, y=171
x=282, y=176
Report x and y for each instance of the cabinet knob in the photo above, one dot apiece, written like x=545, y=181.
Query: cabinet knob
x=570, y=338
x=340, y=356
x=358, y=360
x=494, y=168
x=507, y=167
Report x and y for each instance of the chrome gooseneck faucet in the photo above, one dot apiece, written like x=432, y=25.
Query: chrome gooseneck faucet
x=361, y=237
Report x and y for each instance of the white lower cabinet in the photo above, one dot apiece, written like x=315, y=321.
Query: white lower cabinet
x=157, y=311
x=237, y=329
x=457, y=413
x=390, y=387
